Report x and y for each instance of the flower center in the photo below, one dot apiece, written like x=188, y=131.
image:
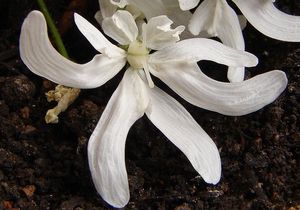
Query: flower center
x=137, y=57
x=137, y=54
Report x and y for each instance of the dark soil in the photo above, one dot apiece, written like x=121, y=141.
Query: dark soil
x=44, y=166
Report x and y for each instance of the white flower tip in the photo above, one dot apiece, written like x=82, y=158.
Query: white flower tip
x=117, y=203
x=188, y=4
x=251, y=61
x=213, y=174
x=194, y=30
x=213, y=180
x=77, y=17
x=282, y=77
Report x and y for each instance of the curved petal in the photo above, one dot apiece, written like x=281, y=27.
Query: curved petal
x=157, y=33
x=181, y=129
x=193, y=50
x=217, y=18
x=121, y=27
x=106, y=147
x=233, y=99
x=266, y=18
x=42, y=59
x=96, y=38
x=188, y=4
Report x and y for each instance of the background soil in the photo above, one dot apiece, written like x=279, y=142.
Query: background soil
x=45, y=166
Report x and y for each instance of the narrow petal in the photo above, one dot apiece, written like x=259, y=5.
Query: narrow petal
x=121, y=27
x=181, y=129
x=233, y=99
x=193, y=50
x=266, y=18
x=42, y=59
x=188, y=4
x=96, y=38
x=217, y=18
x=157, y=33
x=106, y=147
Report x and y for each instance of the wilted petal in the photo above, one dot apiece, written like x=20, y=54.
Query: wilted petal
x=181, y=18
x=121, y=27
x=96, y=38
x=157, y=33
x=266, y=18
x=188, y=4
x=193, y=50
x=182, y=130
x=217, y=18
x=234, y=99
x=41, y=58
x=106, y=147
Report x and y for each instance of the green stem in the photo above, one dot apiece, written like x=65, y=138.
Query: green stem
x=53, y=30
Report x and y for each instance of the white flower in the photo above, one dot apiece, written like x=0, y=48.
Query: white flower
x=173, y=62
x=214, y=18
x=141, y=9
x=217, y=18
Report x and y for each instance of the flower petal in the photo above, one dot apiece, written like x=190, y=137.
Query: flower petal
x=119, y=3
x=266, y=18
x=107, y=9
x=193, y=50
x=151, y=8
x=217, y=18
x=42, y=59
x=233, y=99
x=121, y=27
x=106, y=147
x=181, y=129
x=180, y=18
x=188, y=4
x=96, y=38
x=157, y=33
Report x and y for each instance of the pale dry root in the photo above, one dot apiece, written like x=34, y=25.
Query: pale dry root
x=65, y=96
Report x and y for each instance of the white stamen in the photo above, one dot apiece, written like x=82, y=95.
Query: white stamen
x=147, y=73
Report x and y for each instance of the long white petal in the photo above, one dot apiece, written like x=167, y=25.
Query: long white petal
x=106, y=147
x=193, y=50
x=121, y=27
x=188, y=4
x=42, y=59
x=181, y=129
x=266, y=18
x=157, y=33
x=233, y=99
x=217, y=18
x=96, y=38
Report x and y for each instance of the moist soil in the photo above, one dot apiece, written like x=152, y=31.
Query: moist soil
x=44, y=166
